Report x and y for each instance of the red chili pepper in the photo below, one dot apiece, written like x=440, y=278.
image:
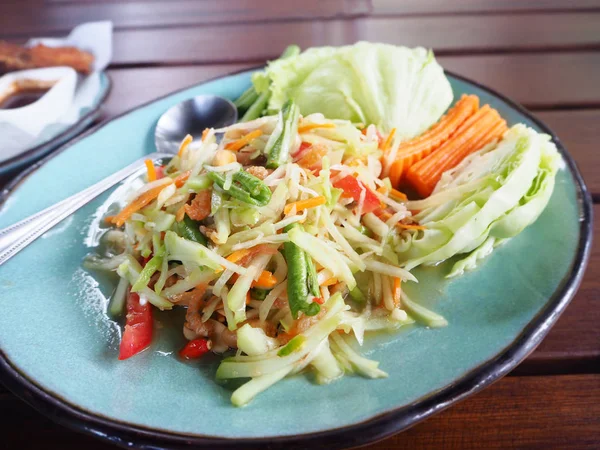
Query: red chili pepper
x=160, y=172
x=195, y=349
x=137, y=334
x=353, y=188
x=319, y=300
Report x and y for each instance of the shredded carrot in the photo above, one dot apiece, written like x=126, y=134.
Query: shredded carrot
x=383, y=190
x=413, y=151
x=266, y=280
x=248, y=298
x=243, y=141
x=180, y=213
x=388, y=142
x=312, y=126
x=397, y=291
x=477, y=131
x=150, y=169
x=205, y=133
x=399, y=195
x=239, y=254
x=109, y=219
x=181, y=179
x=330, y=282
x=184, y=144
x=319, y=300
x=411, y=226
x=137, y=204
x=301, y=205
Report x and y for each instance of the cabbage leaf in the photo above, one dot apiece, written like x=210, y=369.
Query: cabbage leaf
x=381, y=84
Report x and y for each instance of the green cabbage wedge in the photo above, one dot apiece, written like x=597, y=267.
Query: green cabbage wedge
x=489, y=197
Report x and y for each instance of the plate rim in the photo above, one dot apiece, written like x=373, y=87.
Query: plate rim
x=62, y=138
x=370, y=430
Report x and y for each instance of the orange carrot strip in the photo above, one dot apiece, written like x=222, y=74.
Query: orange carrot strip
x=330, y=281
x=411, y=226
x=109, y=219
x=301, y=205
x=266, y=280
x=396, y=291
x=205, y=133
x=312, y=126
x=413, y=151
x=239, y=254
x=150, y=169
x=399, y=195
x=180, y=179
x=143, y=200
x=463, y=133
x=248, y=298
x=476, y=132
x=388, y=142
x=243, y=141
x=184, y=144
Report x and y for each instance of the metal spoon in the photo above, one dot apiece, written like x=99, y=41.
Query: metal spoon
x=190, y=116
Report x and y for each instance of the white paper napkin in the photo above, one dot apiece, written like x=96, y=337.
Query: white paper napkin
x=94, y=37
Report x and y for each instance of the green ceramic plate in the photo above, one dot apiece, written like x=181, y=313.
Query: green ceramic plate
x=59, y=350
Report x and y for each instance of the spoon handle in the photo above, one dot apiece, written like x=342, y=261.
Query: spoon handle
x=16, y=237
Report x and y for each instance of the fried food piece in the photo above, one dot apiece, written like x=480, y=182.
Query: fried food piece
x=15, y=57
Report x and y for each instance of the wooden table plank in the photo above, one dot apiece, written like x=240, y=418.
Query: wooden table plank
x=61, y=17
x=516, y=412
x=573, y=344
x=579, y=132
x=539, y=81
x=386, y=7
x=258, y=42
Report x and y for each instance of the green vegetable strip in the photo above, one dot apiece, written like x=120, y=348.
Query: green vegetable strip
x=117, y=301
x=290, y=52
x=255, y=104
x=259, y=294
x=294, y=345
x=190, y=229
x=357, y=295
x=255, y=386
x=246, y=187
x=280, y=150
x=151, y=266
x=257, y=108
x=297, y=281
x=313, y=279
x=246, y=100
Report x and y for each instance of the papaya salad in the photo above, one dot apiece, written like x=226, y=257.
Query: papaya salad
x=288, y=236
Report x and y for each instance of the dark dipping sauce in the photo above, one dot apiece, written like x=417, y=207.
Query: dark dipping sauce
x=23, y=93
x=22, y=98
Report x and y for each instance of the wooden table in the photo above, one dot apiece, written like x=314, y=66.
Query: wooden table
x=544, y=54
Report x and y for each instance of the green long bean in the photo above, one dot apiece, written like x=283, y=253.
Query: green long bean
x=297, y=279
x=279, y=152
x=245, y=187
x=190, y=229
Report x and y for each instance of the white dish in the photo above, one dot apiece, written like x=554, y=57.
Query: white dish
x=33, y=118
